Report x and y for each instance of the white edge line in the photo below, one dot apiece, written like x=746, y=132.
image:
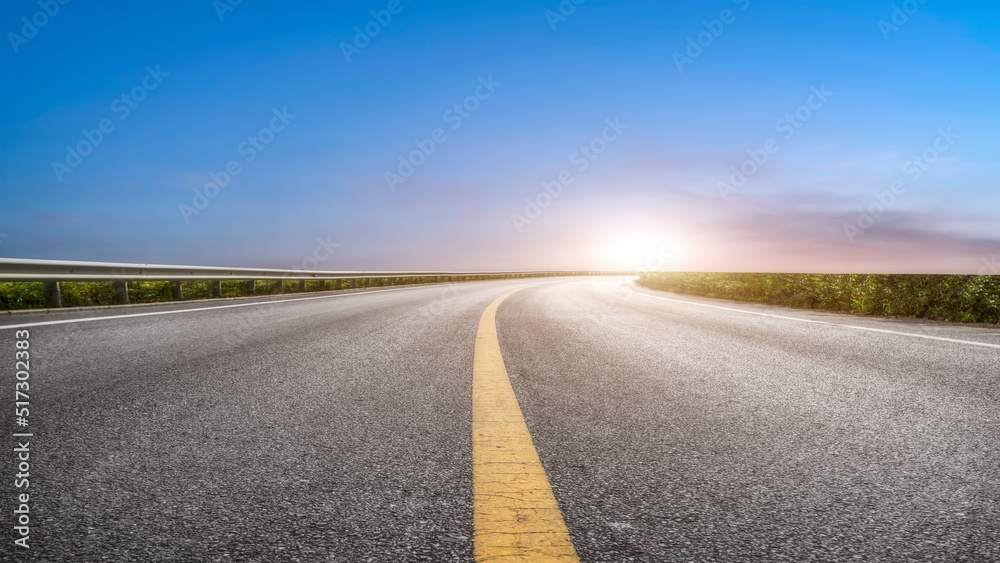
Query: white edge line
x=855, y=327
x=175, y=312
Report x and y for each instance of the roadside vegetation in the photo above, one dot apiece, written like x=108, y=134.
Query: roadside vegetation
x=960, y=298
x=30, y=295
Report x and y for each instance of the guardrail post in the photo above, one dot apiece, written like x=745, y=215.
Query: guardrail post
x=121, y=292
x=178, y=291
x=354, y=283
x=216, y=288
x=302, y=285
x=53, y=299
x=322, y=285
x=279, y=286
x=252, y=287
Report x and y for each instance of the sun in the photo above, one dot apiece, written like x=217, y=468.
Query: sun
x=638, y=251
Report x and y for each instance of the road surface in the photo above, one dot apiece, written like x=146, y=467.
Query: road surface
x=339, y=428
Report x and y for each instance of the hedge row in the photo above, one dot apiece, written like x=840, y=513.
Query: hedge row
x=29, y=295
x=962, y=298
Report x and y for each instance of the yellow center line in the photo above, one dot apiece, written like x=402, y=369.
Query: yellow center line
x=516, y=514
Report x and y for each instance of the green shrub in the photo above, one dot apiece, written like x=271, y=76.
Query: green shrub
x=30, y=295
x=962, y=298
x=21, y=295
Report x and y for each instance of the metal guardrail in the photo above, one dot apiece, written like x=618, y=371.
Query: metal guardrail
x=52, y=272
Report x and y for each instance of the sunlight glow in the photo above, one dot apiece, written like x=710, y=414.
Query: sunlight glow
x=639, y=251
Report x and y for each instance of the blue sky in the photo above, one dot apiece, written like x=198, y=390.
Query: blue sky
x=326, y=114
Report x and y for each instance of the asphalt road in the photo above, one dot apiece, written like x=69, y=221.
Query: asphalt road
x=338, y=428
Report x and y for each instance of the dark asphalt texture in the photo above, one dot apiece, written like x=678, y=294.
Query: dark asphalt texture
x=680, y=433
x=338, y=429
